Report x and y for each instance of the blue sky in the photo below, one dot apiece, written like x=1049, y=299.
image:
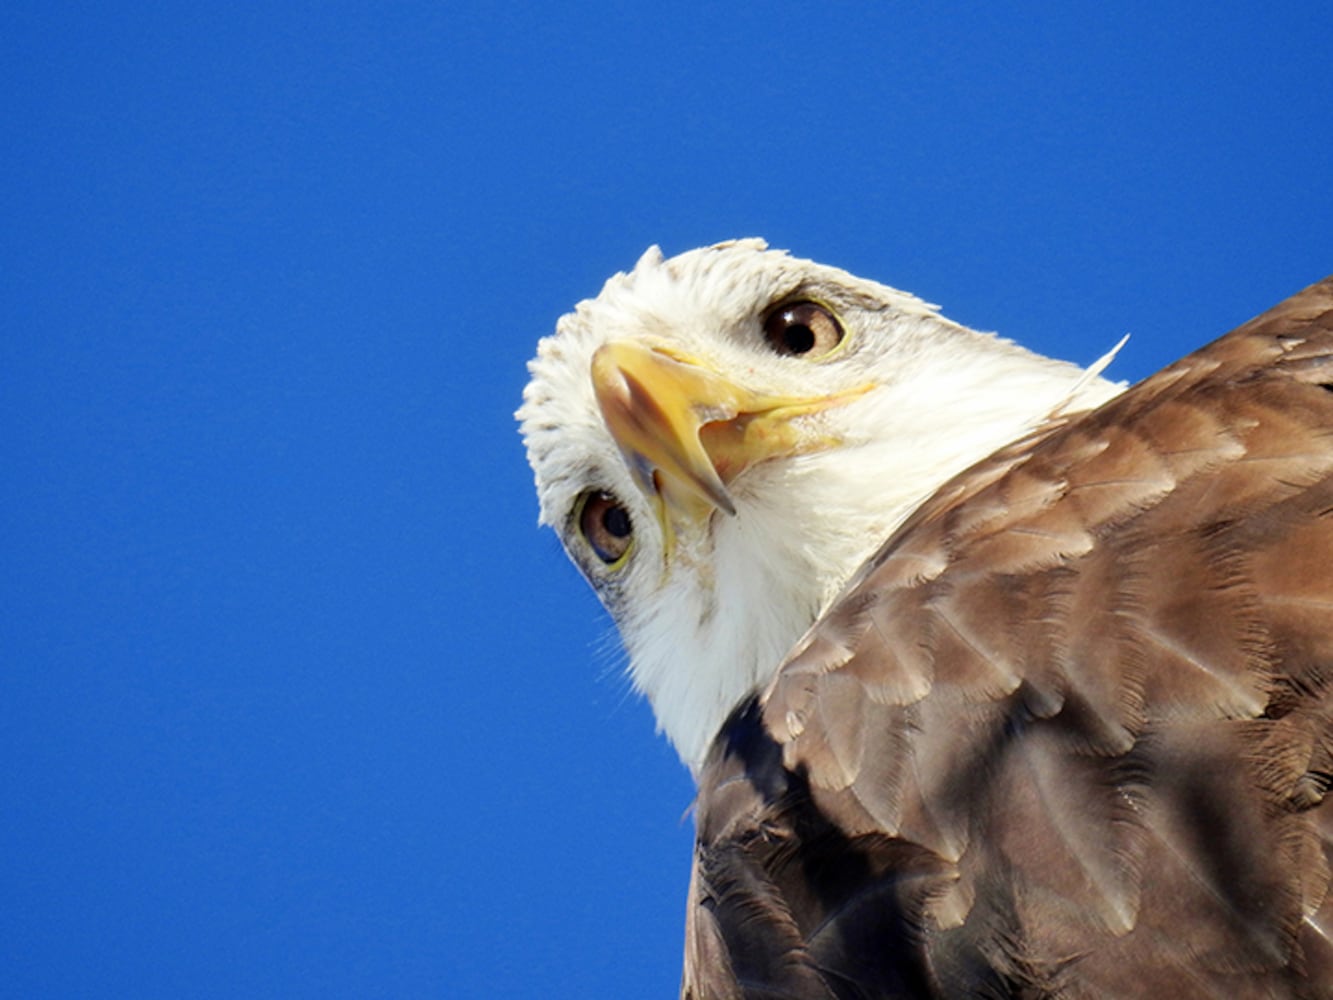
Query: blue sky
x=297, y=700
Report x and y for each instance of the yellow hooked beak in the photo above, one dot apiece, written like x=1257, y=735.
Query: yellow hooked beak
x=687, y=432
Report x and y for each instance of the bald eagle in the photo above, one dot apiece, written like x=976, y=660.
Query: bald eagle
x=996, y=678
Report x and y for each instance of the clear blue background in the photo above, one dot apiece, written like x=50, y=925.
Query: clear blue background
x=296, y=700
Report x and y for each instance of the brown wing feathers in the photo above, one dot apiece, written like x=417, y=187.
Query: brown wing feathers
x=1070, y=733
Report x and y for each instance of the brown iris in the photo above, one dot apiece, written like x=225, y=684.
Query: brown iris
x=802, y=329
x=606, y=525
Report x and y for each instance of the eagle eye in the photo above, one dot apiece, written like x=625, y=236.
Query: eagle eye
x=606, y=526
x=802, y=329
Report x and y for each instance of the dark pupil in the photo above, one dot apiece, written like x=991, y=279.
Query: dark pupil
x=616, y=521
x=799, y=338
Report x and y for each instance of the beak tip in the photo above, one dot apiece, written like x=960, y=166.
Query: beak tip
x=714, y=491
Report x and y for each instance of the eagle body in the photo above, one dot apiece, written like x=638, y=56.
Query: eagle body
x=996, y=680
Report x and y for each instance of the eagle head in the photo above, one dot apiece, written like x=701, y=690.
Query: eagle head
x=721, y=438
